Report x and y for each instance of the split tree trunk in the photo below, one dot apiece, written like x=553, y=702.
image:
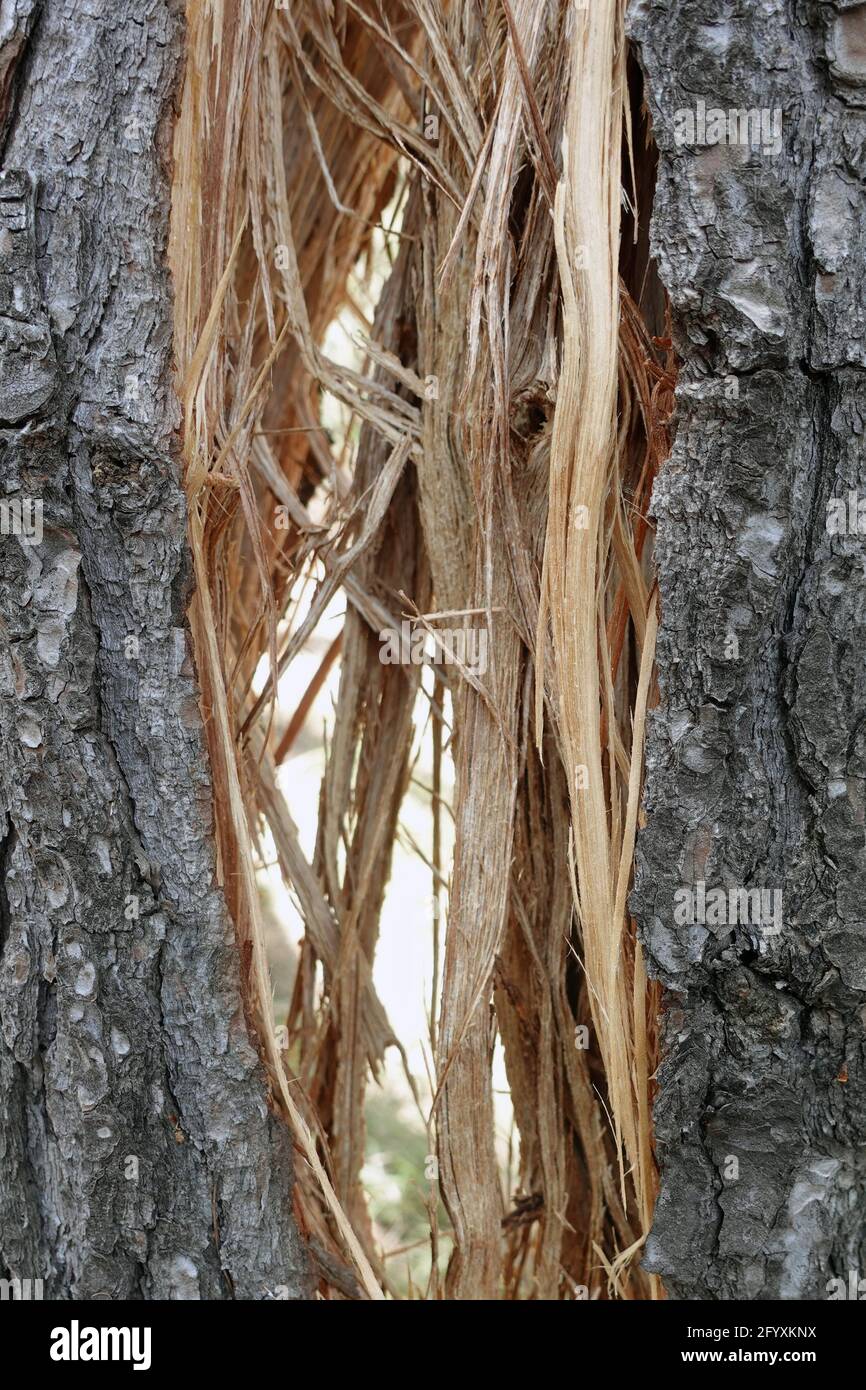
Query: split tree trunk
x=757, y=755
x=137, y=1154
x=138, y=1157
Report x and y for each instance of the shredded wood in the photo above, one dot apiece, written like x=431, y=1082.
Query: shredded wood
x=503, y=425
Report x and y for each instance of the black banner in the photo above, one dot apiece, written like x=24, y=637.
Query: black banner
x=82, y=1339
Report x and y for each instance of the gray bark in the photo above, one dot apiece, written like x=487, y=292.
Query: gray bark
x=138, y=1156
x=756, y=767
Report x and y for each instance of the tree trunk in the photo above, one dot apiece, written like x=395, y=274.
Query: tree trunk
x=756, y=756
x=138, y=1156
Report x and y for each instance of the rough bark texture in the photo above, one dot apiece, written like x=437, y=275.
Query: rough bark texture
x=757, y=752
x=138, y=1157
